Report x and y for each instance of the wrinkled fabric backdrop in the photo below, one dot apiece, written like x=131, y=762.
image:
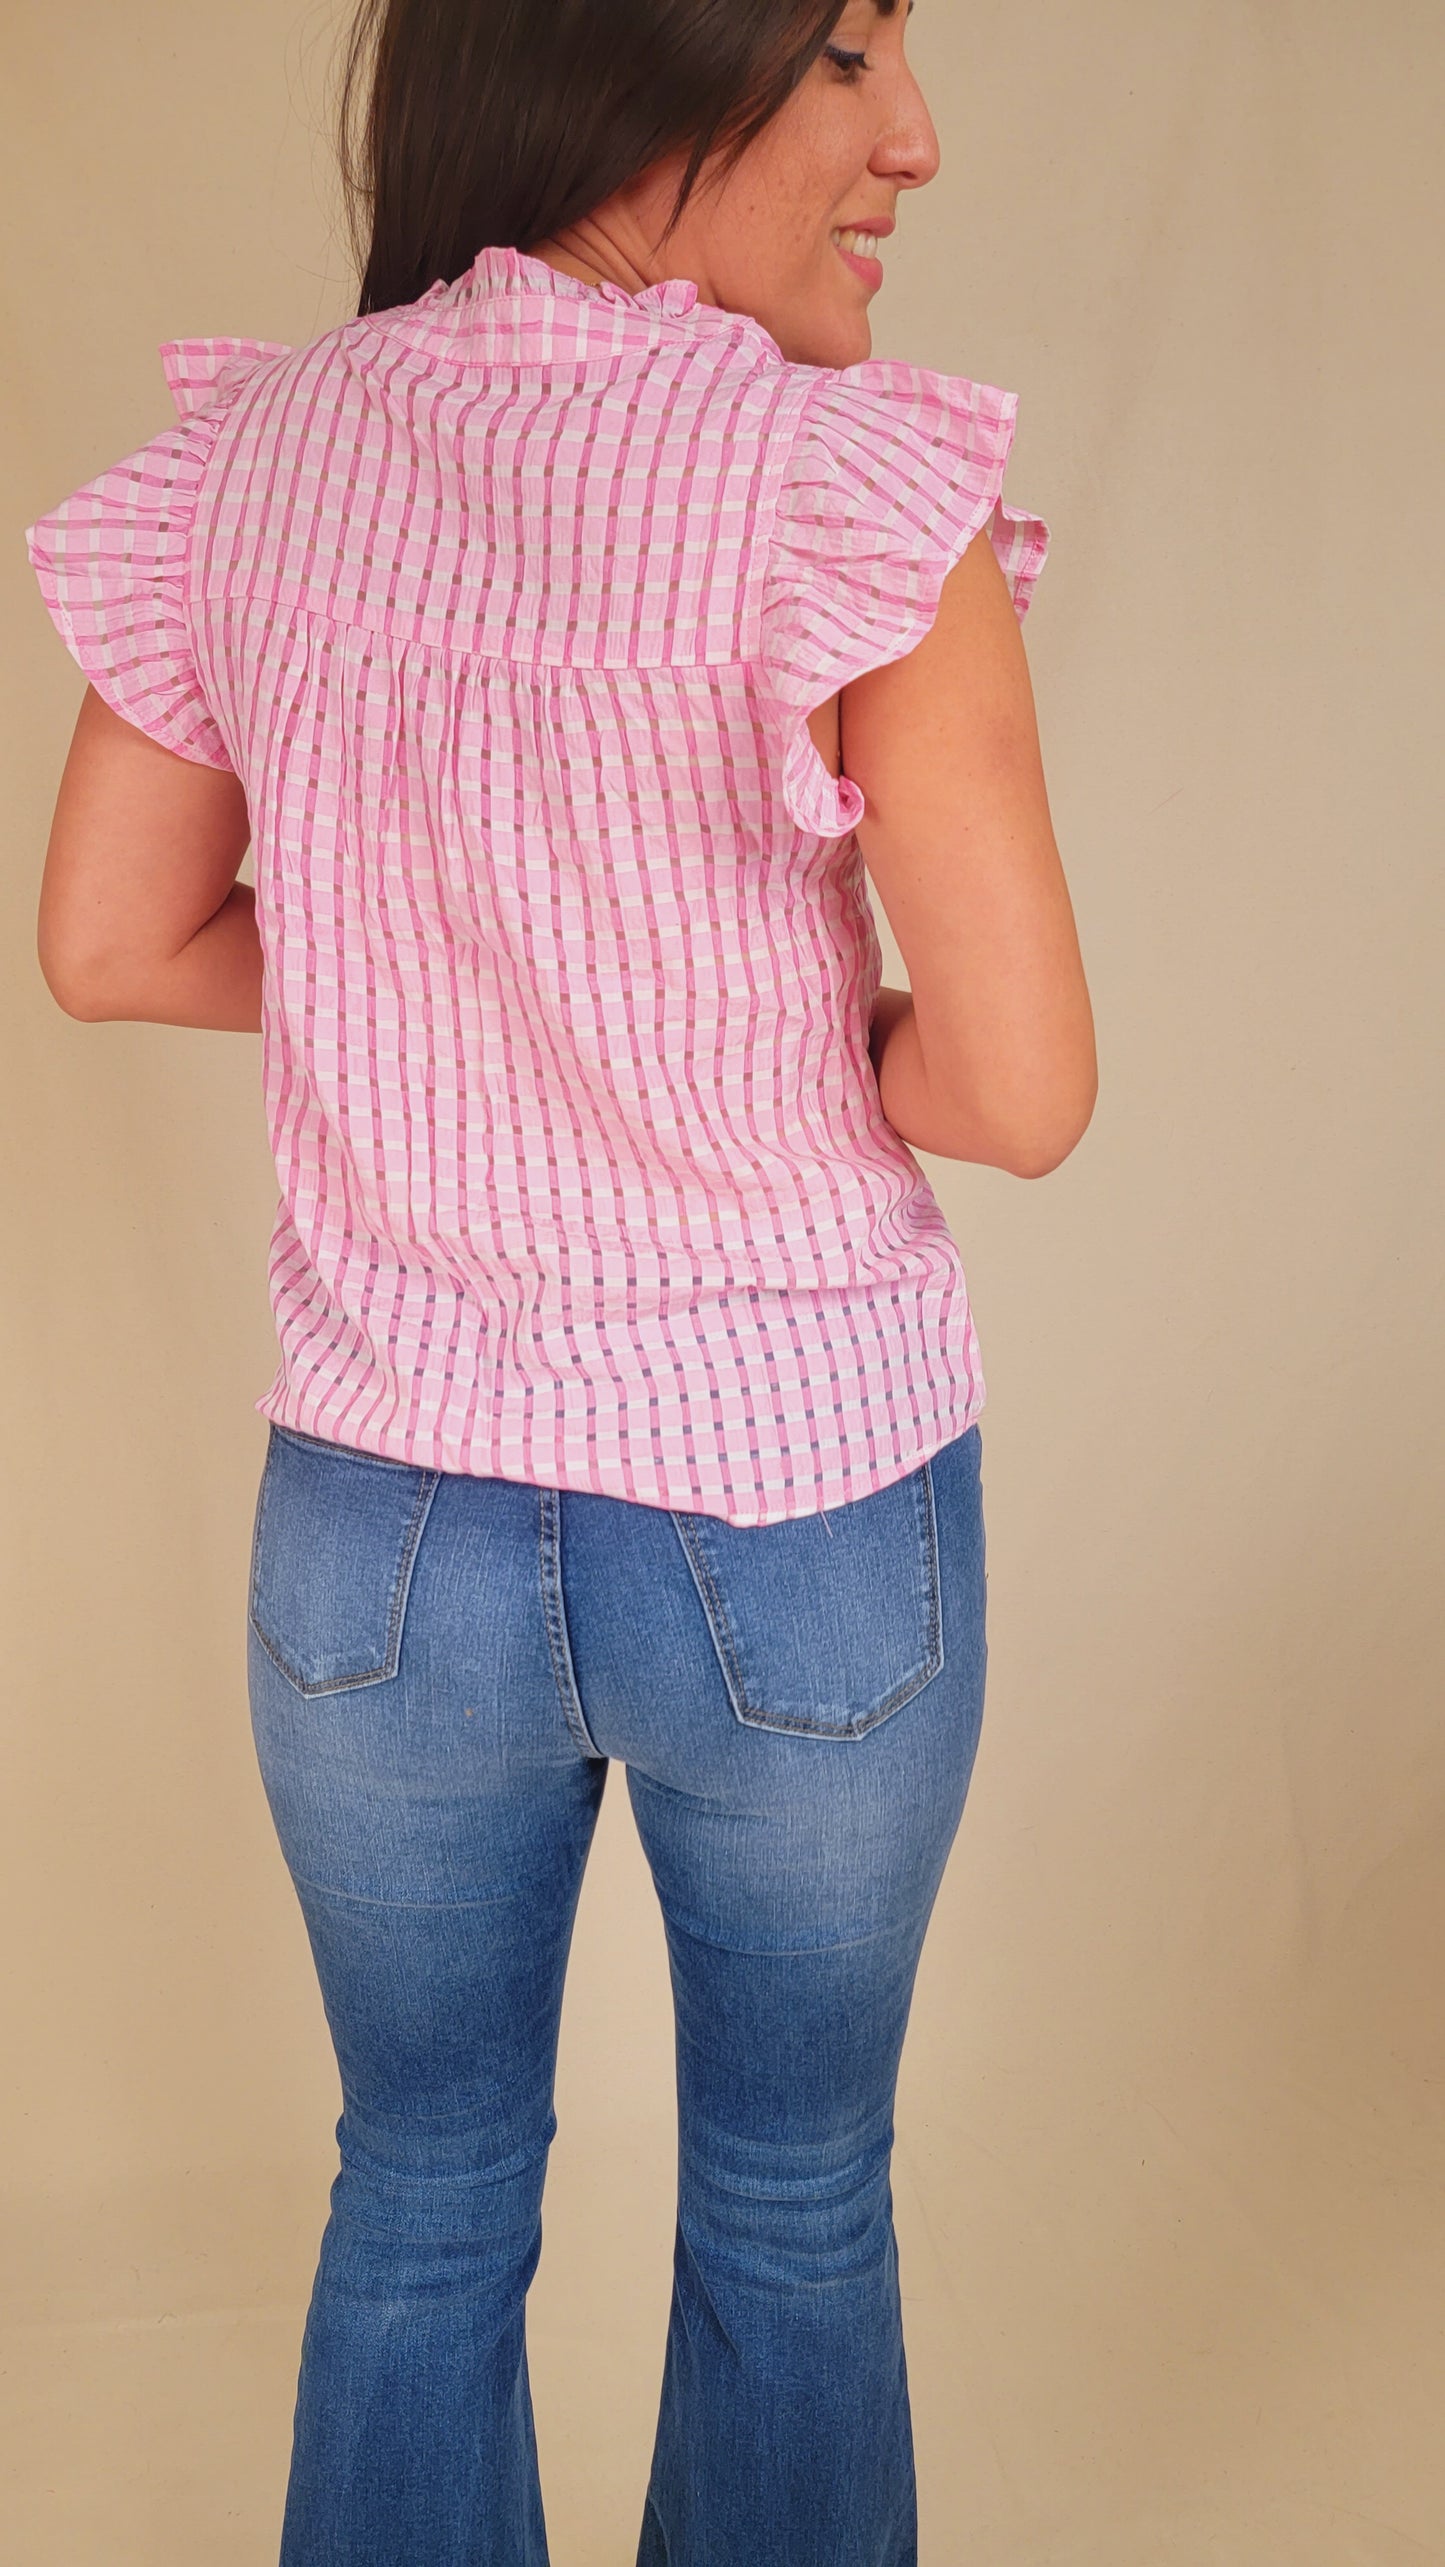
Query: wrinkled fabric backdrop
x=1169, y=2160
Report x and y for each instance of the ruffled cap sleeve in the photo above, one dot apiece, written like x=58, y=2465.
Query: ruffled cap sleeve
x=111, y=560
x=199, y=370
x=893, y=470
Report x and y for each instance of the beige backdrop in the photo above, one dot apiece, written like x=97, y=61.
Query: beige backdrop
x=1169, y=2161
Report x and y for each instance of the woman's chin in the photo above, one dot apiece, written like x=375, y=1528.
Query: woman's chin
x=836, y=338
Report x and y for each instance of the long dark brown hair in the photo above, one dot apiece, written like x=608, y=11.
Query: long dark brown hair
x=500, y=121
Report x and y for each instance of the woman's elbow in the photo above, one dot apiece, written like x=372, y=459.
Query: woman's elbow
x=1046, y=1143
x=76, y=982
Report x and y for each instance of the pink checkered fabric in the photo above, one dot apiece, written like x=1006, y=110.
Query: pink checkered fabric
x=508, y=606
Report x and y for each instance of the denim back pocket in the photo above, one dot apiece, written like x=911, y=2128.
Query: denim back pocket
x=824, y=1624
x=332, y=1554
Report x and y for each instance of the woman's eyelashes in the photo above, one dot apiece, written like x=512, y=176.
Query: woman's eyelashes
x=851, y=65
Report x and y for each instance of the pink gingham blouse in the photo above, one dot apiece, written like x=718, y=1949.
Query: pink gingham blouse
x=507, y=606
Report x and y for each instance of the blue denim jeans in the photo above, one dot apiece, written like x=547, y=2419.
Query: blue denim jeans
x=442, y=1669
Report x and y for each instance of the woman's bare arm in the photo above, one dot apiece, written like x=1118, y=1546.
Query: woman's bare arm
x=990, y=1056
x=141, y=915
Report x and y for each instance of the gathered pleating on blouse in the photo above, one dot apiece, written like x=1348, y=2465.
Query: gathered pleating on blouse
x=508, y=607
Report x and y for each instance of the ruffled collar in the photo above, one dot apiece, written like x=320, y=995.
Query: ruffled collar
x=499, y=270
x=501, y=300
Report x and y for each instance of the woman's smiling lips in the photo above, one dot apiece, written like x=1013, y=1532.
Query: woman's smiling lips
x=855, y=244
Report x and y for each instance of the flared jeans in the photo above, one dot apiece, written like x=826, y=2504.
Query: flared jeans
x=442, y=1670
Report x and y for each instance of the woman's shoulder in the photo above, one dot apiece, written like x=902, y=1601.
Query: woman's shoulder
x=891, y=470
x=888, y=434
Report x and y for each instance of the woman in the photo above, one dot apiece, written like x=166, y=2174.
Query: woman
x=565, y=630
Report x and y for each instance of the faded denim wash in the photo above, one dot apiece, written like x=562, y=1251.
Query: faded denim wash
x=442, y=1668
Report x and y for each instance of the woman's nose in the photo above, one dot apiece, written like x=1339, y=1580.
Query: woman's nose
x=908, y=150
